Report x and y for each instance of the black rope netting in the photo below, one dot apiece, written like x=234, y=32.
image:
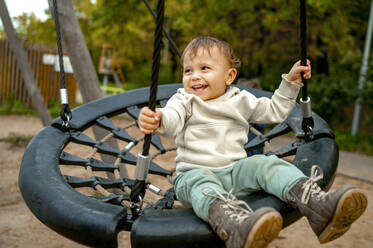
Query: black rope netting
x=93, y=164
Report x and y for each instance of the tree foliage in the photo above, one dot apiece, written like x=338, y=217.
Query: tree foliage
x=29, y=27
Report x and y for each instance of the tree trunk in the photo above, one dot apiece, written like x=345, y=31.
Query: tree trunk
x=81, y=61
x=24, y=66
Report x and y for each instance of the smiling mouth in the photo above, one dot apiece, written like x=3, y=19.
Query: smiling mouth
x=199, y=88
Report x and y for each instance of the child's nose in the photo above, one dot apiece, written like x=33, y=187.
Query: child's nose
x=196, y=76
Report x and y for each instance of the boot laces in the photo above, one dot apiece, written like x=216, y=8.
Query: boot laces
x=234, y=208
x=310, y=186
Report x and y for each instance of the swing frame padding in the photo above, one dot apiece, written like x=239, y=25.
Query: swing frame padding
x=91, y=222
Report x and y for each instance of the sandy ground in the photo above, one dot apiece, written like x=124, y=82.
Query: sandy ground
x=19, y=228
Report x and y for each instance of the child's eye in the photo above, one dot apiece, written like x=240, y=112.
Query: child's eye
x=187, y=70
x=205, y=68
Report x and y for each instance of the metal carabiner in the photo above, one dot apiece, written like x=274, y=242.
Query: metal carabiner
x=66, y=124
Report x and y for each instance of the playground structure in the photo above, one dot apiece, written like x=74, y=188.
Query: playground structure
x=109, y=66
x=48, y=192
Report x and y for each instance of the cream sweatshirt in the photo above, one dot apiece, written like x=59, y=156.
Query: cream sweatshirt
x=213, y=133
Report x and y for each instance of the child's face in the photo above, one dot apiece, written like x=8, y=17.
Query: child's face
x=207, y=75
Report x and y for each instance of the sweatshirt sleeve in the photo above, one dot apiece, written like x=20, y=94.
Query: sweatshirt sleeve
x=174, y=115
x=275, y=109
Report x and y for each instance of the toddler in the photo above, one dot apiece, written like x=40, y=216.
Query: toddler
x=209, y=119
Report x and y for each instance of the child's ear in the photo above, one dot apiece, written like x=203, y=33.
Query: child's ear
x=230, y=76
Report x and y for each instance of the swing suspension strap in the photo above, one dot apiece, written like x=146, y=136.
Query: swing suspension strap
x=143, y=160
x=65, y=112
x=305, y=101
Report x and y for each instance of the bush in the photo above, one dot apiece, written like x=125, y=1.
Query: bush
x=362, y=142
x=142, y=76
x=14, y=106
x=54, y=108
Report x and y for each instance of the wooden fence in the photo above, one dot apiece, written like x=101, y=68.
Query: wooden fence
x=48, y=79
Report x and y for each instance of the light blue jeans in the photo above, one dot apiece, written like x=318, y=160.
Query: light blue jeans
x=258, y=172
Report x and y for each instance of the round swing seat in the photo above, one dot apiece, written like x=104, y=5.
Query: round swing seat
x=96, y=220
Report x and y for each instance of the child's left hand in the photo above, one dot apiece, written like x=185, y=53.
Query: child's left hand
x=294, y=74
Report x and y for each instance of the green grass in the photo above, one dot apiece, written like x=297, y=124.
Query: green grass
x=14, y=106
x=362, y=142
x=111, y=88
x=54, y=109
x=16, y=140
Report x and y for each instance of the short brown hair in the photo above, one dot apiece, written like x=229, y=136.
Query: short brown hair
x=208, y=43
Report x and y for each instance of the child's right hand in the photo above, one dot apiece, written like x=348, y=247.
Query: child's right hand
x=149, y=120
x=294, y=74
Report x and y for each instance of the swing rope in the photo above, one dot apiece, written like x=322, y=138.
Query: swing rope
x=155, y=68
x=65, y=112
x=143, y=160
x=305, y=101
x=303, y=45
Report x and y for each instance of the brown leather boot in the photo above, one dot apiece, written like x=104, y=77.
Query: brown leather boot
x=329, y=214
x=239, y=226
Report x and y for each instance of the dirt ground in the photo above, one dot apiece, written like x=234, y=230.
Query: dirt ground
x=19, y=228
